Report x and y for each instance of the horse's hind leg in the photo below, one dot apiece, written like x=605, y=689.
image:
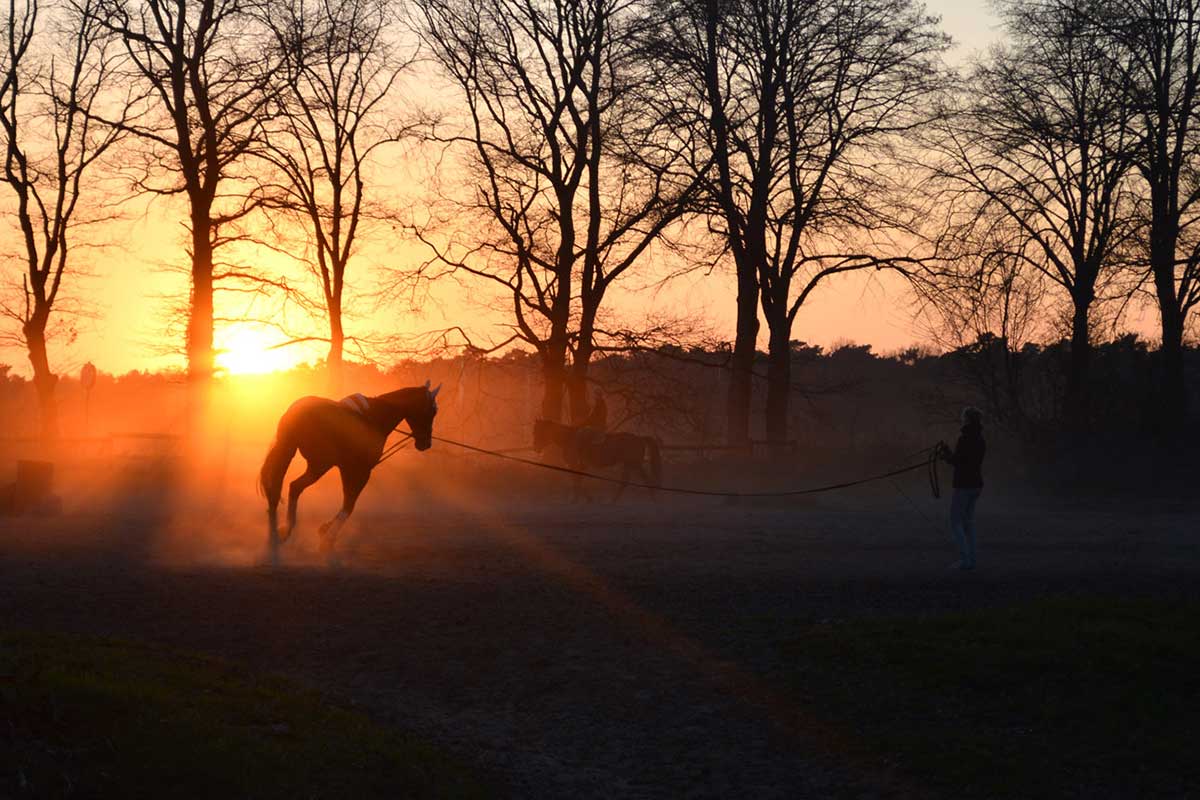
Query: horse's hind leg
x=273, y=532
x=272, y=525
x=353, y=481
x=311, y=475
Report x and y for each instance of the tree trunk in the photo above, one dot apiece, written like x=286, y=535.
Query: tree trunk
x=1077, y=405
x=554, y=352
x=1175, y=400
x=337, y=340
x=554, y=373
x=577, y=389
x=1164, y=235
x=44, y=381
x=779, y=380
x=577, y=380
x=200, y=315
x=553, y=380
x=741, y=379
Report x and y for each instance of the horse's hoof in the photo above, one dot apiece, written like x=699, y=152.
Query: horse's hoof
x=285, y=531
x=325, y=540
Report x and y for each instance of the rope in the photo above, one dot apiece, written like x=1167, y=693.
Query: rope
x=932, y=524
x=935, y=486
x=681, y=490
x=407, y=437
x=395, y=448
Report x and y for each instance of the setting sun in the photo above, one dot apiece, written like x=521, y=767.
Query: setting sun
x=248, y=350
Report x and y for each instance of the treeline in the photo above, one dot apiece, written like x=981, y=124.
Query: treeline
x=845, y=398
x=1039, y=191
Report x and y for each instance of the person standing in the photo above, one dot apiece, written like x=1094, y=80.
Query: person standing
x=967, y=460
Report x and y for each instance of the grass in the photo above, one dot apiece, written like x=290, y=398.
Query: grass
x=1083, y=697
x=102, y=718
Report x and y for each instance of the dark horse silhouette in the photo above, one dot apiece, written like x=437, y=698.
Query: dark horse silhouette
x=349, y=435
x=587, y=448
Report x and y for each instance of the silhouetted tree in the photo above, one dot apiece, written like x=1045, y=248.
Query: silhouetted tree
x=1159, y=41
x=209, y=82
x=991, y=297
x=1036, y=161
x=700, y=58
x=55, y=69
x=569, y=184
x=340, y=63
x=801, y=103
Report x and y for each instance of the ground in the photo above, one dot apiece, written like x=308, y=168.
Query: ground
x=684, y=648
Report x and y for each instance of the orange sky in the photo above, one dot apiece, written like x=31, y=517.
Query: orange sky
x=130, y=292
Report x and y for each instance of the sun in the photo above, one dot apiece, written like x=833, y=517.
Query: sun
x=245, y=349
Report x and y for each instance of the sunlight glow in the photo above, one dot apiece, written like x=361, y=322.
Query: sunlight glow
x=245, y=349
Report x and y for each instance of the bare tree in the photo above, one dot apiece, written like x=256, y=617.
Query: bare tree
x=1159, y=41
x=699, y=56
x=570, y=185
x=340, y=65
x=988, y=301
x=209, y=82
x=1036, y=165
x=802, y=102
x=56, y=68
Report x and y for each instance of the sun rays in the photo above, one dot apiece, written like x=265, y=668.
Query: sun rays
x=246, y=349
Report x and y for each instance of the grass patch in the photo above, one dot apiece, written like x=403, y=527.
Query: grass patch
x=1083, y=697
x=99, y=718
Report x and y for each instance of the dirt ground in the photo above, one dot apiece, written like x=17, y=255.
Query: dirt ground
x=572, y=650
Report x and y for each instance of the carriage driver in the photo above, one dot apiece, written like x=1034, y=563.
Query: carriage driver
x=597, y=420
x=595, y=426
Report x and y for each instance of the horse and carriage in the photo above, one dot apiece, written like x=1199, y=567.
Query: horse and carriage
x=351, y=435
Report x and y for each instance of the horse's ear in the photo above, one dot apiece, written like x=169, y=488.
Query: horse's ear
x=433, y=393
x=426, y=383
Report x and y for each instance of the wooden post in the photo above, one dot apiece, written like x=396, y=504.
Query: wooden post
x=87, y=377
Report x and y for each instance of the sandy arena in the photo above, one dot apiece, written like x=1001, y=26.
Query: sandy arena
x=572, y=650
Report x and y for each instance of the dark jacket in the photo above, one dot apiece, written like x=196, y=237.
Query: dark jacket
x=967, y=458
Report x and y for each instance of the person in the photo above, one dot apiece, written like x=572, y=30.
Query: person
x=967, y=460
x=590, y=433
x=598, y=418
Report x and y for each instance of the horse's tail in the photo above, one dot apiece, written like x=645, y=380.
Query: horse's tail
x=655, y=460
x=270, y=477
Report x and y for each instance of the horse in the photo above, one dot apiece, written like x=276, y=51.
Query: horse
x=584, y=447
x=349, y=435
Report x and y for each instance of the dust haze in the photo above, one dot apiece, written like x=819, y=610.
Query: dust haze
x=144, y=473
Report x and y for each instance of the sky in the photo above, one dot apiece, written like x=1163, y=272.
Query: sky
x=129, y=291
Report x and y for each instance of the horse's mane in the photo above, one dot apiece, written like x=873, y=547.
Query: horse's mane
x=402, y=395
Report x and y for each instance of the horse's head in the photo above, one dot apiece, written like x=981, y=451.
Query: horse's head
x=420, y=419
x=542, y=430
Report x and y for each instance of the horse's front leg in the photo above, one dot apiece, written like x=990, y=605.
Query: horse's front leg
x=353, y=481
